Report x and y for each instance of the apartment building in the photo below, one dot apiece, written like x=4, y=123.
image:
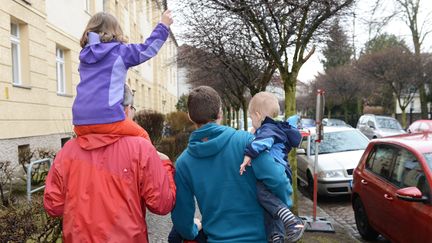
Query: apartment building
x=39, y=48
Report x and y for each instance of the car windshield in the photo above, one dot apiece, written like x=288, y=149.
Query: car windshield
x=388, y=123
x=335, y=122
x=341, y=141
x=428, y=157
x=308, y=122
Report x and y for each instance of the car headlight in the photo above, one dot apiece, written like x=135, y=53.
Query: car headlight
x=330, y=174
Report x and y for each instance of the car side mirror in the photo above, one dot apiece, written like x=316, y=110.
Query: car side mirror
x=410, y=194
x=301, y=151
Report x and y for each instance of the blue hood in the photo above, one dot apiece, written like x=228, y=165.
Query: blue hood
x=209, y=139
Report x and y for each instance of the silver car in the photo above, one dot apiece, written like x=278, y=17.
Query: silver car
x=374, y=126
x=338, y=155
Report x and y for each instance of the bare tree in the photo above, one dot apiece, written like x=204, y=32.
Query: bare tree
x=342, y=87
x=284, y=31
x=398, y=69
x=409, y=11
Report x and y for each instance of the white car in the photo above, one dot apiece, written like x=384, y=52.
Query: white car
x=339, y=153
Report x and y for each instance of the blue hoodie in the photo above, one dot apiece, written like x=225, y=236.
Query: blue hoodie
x=103, y=68
x=278, y=138
x=209, y=171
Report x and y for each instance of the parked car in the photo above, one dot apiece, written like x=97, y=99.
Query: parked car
x=331, y=122
x=420, y=126
x=338, y=155
x=392, y=189
x=307, y=122
x=374, y=126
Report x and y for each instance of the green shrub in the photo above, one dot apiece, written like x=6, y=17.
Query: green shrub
x=25, y=222
x=152, y=122
x=6, y=174
x=178, y=122
x=173, y=146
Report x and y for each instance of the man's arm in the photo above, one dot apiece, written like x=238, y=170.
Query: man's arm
x=183, y=214
x=273, y=175
x=54, y=196
x=157, y=186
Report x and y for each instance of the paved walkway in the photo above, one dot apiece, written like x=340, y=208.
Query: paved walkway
x=159, y=226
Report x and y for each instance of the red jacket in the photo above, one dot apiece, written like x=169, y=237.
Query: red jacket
x=102, y=184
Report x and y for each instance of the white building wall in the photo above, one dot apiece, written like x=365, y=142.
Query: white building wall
x=70, y=15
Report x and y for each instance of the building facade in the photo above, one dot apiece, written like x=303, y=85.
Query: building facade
x=39, y=48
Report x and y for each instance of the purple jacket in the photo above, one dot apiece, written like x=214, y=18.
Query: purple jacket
x=103, y=68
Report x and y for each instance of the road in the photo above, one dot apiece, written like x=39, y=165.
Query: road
x=340, y=209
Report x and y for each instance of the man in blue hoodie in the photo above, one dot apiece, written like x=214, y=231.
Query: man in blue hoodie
x=208, y=172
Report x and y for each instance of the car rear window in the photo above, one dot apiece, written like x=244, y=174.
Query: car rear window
x=388, y=123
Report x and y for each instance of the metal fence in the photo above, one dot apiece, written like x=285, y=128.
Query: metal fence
x=29, y=176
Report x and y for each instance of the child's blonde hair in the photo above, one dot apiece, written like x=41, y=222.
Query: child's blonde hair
x=106, y=25
x=265, y=103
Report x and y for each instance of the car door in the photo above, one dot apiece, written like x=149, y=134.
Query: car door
x=413, y=217
x=376, y=188
x=367, y=129
x=303, y=159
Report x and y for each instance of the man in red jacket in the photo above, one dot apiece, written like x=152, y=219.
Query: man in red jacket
x=102, y=184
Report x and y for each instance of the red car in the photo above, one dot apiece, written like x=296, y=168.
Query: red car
x=391, y=192
x=420, y=126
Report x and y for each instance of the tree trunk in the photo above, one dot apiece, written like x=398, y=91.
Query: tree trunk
x=404, y=118
x=423, y=102
x=328, y=113
x=345, y=107
x=228, y=116
x=289, y=80
x=245, y=121
x=237, y=113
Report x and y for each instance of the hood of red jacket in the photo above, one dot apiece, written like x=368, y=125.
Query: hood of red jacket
x=94, y=141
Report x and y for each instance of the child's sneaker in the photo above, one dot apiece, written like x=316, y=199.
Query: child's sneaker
x=295, y=231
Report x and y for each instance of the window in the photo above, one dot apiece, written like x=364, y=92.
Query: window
x=405, y=163
x=15, y=48
x=89, y=6
x=61, y=72
x=24, y=153
x=380, y=163
x=64, y=141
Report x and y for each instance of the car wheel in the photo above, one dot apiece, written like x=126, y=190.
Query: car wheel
x=310, y=184
x=365, y=229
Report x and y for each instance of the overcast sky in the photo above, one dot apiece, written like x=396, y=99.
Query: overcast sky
x=361, y=33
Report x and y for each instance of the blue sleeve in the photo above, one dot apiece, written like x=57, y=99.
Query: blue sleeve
x=134, y=54
x=294, y=137
x=183, y=213
x=258, y=146
x=273, y=177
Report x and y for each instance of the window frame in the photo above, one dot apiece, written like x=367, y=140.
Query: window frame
x=61, y=79
x=15, y=40
x=372, y=155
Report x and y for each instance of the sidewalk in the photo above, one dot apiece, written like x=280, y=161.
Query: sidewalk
x=159, y=226
x=341, y=235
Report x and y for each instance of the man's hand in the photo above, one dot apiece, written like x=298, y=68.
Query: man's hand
x=162, y=156
x=167, y=19
x=246, y=161
x=198, y=223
